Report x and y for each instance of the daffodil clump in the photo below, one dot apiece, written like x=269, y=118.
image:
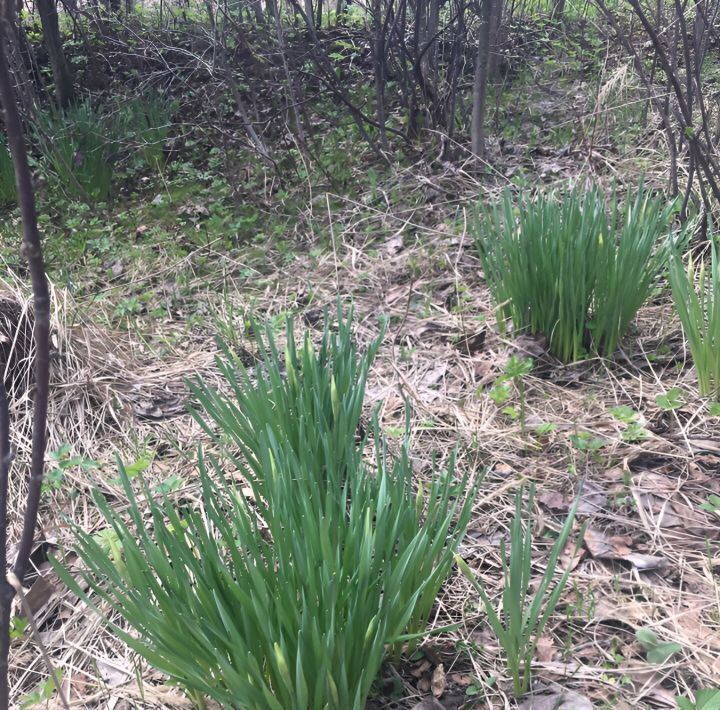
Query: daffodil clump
x=300, y=564
x=575, y=268
x=696, y=292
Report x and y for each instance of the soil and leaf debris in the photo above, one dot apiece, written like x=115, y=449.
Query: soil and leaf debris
x=217, y=240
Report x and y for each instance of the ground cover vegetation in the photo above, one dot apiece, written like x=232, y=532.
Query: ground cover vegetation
x=380, y=354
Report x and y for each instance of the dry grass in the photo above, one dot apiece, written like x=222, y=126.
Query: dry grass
x=105, y=401
x=651, y=559
x=650, y=562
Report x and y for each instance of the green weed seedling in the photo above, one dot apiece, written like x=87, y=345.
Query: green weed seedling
x=42, y=693
x=546, y=428
x=500, y=392
x=62, y=461
x=18, y=627
x=712, y=505
x=136, y=468
x=169, y=485
x=230, y=323
x=656, y=652
x=513, y=377
x=623, y=414
x=634, y=430
x=705, y=699
x=588, y=444
x=522, y=614
x=670, y=400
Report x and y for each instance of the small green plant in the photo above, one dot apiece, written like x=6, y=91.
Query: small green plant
x=289, y=592
x=109, y=542
x=576, y=268
x=300, y=380
x=522, y=614
x=132, y=470
x=62, y=461
x=77, y=151
x=228, y=321
x=696, y=293
x=670, y=400
x=712, y=505
x=546, y=428
x=144, y=126
x=657, y=652
x=585, y=441
x=500, y=392
x=705, y=699
x=127, y=307
x=514, y=375
x=18, y=627
x=170, y=484
x=84, y=147
x=635, y=431
x=623, y=413
x=583, y=604
x=516, y=369
x=7, y=176
x=42, y=693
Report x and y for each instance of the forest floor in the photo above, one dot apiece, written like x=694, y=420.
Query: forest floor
x=141, y=290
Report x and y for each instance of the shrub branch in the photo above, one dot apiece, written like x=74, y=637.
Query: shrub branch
x=32, y=251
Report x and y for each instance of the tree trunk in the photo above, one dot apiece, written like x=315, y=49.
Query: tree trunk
x=258, y=11
x=21, y=64
x=495, y=21
x=455, y=68
x=271, y=8
x=310, y=16
x=429, y=61
x=413, y=109
x=379, y=69
x=292, y=100
x=477, y=130
x=62, y=76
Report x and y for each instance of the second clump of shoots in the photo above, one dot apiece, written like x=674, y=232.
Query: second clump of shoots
x=520, y=618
